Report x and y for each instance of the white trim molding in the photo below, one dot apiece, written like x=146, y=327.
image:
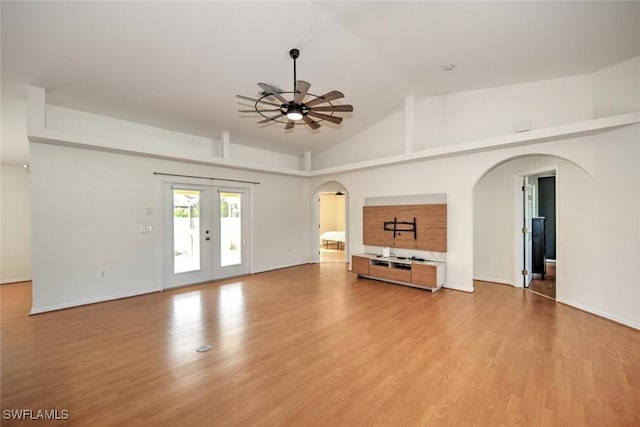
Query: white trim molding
x=91, y=301
x=468, y=289
x=599, y=313
x=494, y=280
x=15, y=280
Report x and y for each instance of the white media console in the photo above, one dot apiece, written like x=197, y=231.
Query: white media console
x=403, y=271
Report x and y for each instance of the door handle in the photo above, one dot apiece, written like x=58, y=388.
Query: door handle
x=207, y=238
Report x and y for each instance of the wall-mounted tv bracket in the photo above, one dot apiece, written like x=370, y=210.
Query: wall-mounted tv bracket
x=396, y=230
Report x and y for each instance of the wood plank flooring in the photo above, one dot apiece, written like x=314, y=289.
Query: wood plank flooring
x=548, y=285
x=314, y=346
x=332, y=255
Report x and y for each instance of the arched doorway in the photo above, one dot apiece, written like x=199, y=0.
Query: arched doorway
x=517, y=226
x=330, y=226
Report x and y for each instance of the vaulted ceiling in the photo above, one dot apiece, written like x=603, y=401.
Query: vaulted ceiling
x=179, y=65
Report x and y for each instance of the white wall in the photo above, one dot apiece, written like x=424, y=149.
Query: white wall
x=332, y=212
x=119, y=134
x=616, y=90
x=340, y=206
x=598, y=231
x=87, y=208
x=16, y=224
x=473, y=115
x=328, y=213
x=379, y=140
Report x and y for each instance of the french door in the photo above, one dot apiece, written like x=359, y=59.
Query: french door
x=206, y=233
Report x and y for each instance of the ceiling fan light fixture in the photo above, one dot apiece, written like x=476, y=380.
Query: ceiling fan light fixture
x=294, y=112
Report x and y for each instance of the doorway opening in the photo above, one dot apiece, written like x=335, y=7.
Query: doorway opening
x=539, y=252
x=330, y=235
x=514, y=226
x=331, y=207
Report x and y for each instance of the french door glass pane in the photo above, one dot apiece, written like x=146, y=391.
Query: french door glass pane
x=230, y=229
x=186, y=230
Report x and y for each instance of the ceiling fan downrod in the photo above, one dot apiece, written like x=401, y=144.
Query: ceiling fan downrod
x=294, y=54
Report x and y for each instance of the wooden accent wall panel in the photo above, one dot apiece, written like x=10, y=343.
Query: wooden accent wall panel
x=431, y=225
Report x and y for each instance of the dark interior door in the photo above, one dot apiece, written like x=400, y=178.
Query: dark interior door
x=547, y=209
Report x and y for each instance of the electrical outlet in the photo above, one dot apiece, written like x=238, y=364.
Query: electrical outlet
x=103, y=274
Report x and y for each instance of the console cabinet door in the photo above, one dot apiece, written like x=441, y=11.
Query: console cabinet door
x=382, y=272
x=424, y=275
x=360, y=265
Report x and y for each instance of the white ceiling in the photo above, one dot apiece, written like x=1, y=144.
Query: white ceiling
x=179, y=65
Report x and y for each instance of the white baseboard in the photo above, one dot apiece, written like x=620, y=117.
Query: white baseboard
x=458, y=287
x=15, y=280
x=91, y=301
x=494, y=280
x=280, y=267
x=614, y=318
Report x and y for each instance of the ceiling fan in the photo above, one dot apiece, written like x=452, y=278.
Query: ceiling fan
x=311, y=109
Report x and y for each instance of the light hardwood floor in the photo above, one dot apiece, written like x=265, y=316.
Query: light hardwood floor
x=546, y=286
x=313, y=345
x=332, y=255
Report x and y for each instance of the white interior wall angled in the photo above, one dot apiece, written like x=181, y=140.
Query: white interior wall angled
x=380, y=140
x=88, y=206
x=616, y=89
x=479, y=114
x=120, y=135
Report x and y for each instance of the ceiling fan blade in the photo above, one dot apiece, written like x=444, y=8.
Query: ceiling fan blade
x=257, y=111
x=312, y=123
x=332, y=119
x=336, y=108
x=272, y=91
x=302, y=88
x=267, y=120
x=258, y=100
x=329, y=96
x=290, y=124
